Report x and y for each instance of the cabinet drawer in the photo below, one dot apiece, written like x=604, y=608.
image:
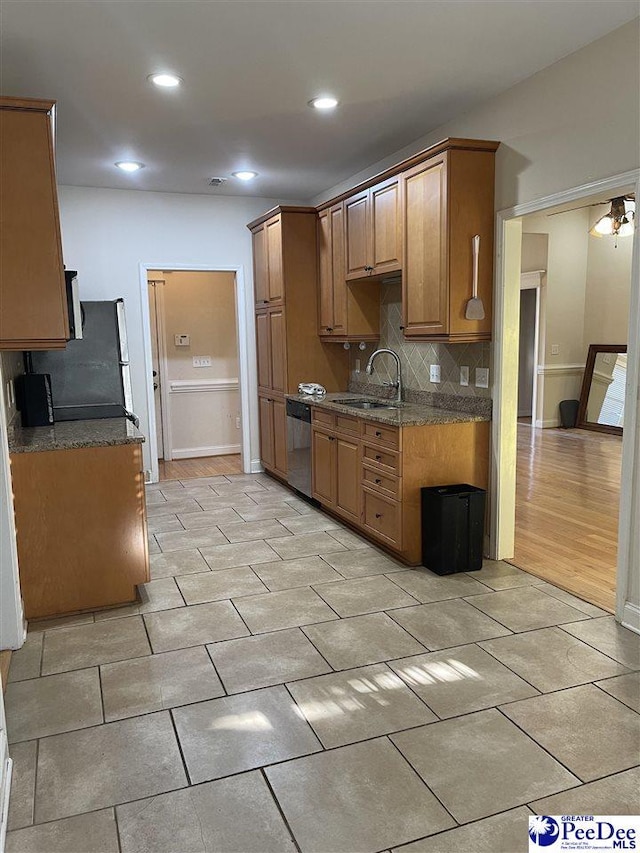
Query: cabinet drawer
x=382, y=517
x=386, y=435
x=377, y=481
x=386, y=460
x=320, y=416
x=345, y=423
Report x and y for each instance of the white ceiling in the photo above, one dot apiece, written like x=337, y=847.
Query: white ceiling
x=399, y=68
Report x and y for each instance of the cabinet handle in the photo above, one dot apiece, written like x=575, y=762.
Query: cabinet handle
x=378, y=458
x=368, y=269
x=329, y=328
x=378, y=515
x=402, y=328
x=377, y=481
x=378, y=434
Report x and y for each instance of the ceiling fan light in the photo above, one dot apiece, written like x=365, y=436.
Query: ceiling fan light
x=603, y=227
x=618, y=222
x=626, y=229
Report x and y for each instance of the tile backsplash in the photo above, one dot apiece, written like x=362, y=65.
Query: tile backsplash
x=416, y=357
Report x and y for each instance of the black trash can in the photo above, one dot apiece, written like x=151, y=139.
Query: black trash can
x=568, y=413
x=452, y=528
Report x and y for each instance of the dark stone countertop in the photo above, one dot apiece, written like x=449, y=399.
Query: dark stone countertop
x=72, y=435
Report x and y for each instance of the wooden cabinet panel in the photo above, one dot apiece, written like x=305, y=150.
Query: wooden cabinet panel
x=379, y=482
x=386, y=460
x=357, y=244
x=386, y=227
x=322, y=417
x=260, y=271
x=264, y=350
x=267, y=450
x=323, y=467
x=336, y=215
x=277, y=343
x=81, y=528
x=382, y=516
x=425, y=290
x=347, y=497
x=325, y=274
x=388, y=436
x=274, y=262
x=33, y=302
x=280, y=437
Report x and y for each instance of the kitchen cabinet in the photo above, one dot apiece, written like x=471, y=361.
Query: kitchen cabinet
x=80, y=527
x=373, y=231
x=336, y=465
x=267, y=262
x=273, y=434
x=348, y=311
x=33, y=302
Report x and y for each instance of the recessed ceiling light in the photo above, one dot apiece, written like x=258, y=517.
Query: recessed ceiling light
x=324, y=102
x=245, y=175
x=129, y=165
x=165, y=81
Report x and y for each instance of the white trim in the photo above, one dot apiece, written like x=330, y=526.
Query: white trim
x=559, y=369
x=195, y=386
x=503, y=466
x=214, y=450
x=631, y=617
x=529, y=280
x=243, y=332
x=163, y=371
x=550, y=422
x=256, y=467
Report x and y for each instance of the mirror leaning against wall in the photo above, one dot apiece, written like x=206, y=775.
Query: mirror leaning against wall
x=603, y=387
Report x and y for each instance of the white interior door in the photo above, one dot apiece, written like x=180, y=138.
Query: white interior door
x=155, y=363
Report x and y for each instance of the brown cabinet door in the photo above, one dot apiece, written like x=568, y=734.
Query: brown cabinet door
x=260, y=271
x=33, y=302
x=336, y=215
x=263, y=350
x=386, y=226
x=348, y=478
x=267, y=450
x=280, y=437
x=274, y=263
x=356, y=211
x=325, y=274
x=277, y=343
x=425, y=283
x=323, y=467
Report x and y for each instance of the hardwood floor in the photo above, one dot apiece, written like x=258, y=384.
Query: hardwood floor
x=567, y=497
x=205, y=466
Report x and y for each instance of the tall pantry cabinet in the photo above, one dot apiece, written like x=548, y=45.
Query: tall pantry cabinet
x=288, y=348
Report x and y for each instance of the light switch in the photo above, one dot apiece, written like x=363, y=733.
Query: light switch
x=434, y=373
x=202, y=361
x=464, y=375
x=182, y=340
x=482, y=377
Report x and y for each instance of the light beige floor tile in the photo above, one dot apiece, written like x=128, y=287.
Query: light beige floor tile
x=305, y=545
x=525, y=608
x=25, y=662
x=481, y=764
x=362, y=640
x=356, y=798
x=287, y=574
x=574, y=601
x=235, y=500
x=625, y=688
x=164, y=524
x=160, y=594
x=109, y=764
x=199, y=483
x=460, y=680
x=349, y=539
x=216, y=586
x=358, y=704
x=208, y=518
x=95, y=832
x=362, y=562
x=267, y=659
x=185, y=540
x=193, y=626
x=551, y=659
x=242, y=732
x=238, y=488
x=178, y=563
x=286, y=609
x=273, y=497
x=90, y=645
x=152, y=498
x=364, y=595
x=173, y=507
x=246, y=531
x=236, y=814
x=158, y=682
x=619, y=794
x=588, y=731
x=310, y=523
x=154, y=548
x=23, y=784
x=60, y=622
x=499, y=575
x=445, y=624
x=427, y=586
x=502, y=833
x=611, y=639
x=270, y=510
x=57, y=703
x=238, y=554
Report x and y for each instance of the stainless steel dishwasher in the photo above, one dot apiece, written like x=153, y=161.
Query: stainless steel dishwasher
x=299, y=446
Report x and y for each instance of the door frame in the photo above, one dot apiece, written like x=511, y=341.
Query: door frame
x=534, y=281
x=242, y=333
x=504, y=389
x=163, y=375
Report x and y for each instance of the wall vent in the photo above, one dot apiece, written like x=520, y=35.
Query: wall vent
x=217, y=182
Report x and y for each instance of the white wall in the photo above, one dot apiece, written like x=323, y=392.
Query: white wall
x=606, y=316
x=107, y=234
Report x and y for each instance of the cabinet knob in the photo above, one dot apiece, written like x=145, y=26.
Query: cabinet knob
x=368, y=269
x=377, y=481
x=378, y=434
x=402, y=328
x=378, y=458
x=329, y=328
x=378, y=515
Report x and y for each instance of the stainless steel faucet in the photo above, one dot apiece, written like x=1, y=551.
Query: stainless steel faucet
x=398, y=383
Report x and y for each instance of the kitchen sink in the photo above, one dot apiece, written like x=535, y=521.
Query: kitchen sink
x=369, y=404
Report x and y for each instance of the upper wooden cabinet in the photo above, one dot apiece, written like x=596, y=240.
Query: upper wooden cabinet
x=373, y=231
x=33, y=303
x=267, y=262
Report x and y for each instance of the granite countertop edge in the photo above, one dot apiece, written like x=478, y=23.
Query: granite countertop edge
x=73, y=435
x=411, y=414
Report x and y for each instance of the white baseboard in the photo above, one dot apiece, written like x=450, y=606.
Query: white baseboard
x=216, y=450
x=256, y=466
x=549, y=423
x=631, y=617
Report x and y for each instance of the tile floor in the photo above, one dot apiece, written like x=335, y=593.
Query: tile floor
x=282, y=685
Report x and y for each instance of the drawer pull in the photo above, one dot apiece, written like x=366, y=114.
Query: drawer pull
x=378, y=434
x=377, y=481
x=378, y=515
x=378, y=458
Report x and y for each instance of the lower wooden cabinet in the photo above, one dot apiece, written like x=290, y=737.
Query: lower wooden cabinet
x=273, y=434
x=336, y=472
x=80, y=527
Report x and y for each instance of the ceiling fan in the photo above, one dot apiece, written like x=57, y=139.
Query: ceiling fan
x=617, y=222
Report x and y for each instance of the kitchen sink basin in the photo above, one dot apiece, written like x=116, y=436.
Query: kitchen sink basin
x=369, y=404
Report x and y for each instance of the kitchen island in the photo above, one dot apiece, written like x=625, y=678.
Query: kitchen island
x=80, y=515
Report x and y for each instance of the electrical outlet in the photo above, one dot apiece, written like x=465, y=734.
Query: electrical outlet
x=482, y=377
x=434, y=373
x=237, y=423
x=182, y=340
x=201, y=361
x=555, y=349
x=464, y=375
